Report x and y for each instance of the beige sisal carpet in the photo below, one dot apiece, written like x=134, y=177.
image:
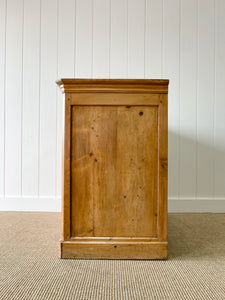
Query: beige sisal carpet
x=30, y=268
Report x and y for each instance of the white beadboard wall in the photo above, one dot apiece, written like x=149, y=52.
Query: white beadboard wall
x=42, y=40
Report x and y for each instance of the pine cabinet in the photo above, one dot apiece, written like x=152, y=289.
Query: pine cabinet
x=114, y=178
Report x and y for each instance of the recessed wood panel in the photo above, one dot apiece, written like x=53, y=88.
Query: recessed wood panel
x=114, y=171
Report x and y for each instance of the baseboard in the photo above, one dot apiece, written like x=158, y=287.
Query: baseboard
x=30, y=203
x=196, y=205
x=113, y=250
x=53, y=204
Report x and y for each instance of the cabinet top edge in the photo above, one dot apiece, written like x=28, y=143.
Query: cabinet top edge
x=110, y=85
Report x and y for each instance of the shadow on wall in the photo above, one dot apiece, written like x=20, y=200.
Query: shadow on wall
x=196, y=172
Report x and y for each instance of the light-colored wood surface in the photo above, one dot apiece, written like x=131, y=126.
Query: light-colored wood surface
x=66, y=203
x=115, y=169
x=163, y=168
x=127, y=86
x=109, y=250
x=113, y=99
x=137, y=169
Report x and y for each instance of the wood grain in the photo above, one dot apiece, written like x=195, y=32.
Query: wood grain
x=82, y=198
x=148, y=86
x=122, y=250
x=114, y=171
x=66, y=220
x=114, y=99
x=137, y=172
x=163, y=168
x=104, y=143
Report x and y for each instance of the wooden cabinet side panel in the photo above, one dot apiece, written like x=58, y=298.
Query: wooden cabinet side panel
x=114, y=154
x=93, y=174
x=81, y=179
x=104, y=143
x=137, y=169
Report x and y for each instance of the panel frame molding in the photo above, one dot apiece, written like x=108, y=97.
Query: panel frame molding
x=147, y=86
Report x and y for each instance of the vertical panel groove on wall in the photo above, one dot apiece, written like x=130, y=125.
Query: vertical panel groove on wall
x=39, y=100
x=162, y=43
x=5, y=91
x=101, y=38
x=127, y=5
x=30, y=109
x=110, y=25
x=22, y=87
x=92, y=38
x=66, y=67
x=215, y=103
x=179, y=135
x=154, y=36
x=214, y=94
x=75, y=30
x=171, y=70
x=3, y=22
x=136, y=16
x=13, y=98
x=48, y=98
x=205, y=100
x=179, y=93
x=219, y=149
x=145, y=34
x=118, y=39
x=57, y=100
x=84, y=39
x=197, y=94
x=188, y=99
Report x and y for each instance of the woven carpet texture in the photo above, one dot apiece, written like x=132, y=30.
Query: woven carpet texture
x=30, y=268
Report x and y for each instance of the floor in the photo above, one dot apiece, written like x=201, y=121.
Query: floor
x=30, y=268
